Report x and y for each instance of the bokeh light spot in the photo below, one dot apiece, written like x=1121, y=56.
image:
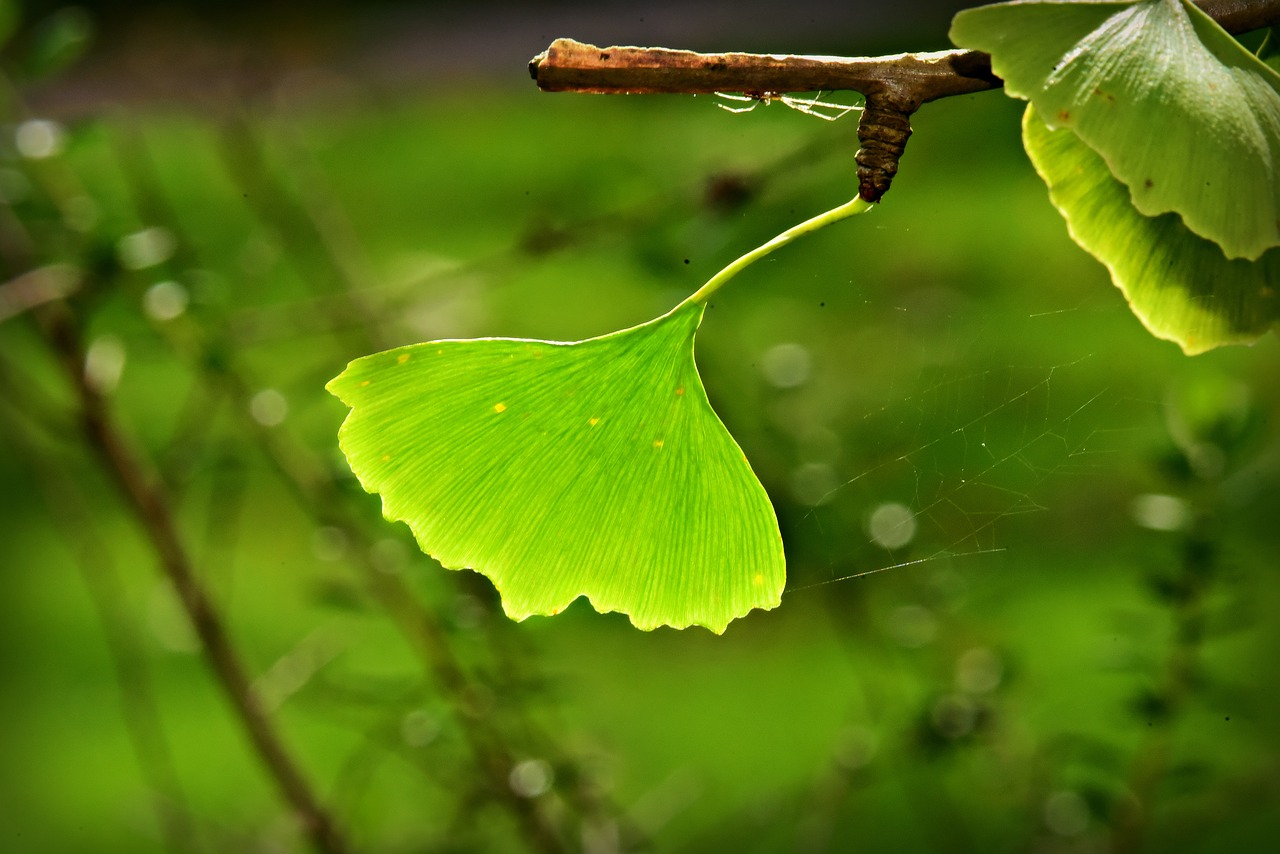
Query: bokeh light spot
x=146, y=248
x=1066, y=813
x=786, y=365
x=104, y=363
x=419, y=728
x=913, y=625
x=165, y=301
x=891, y=525
x=814, y=483
x=1160, y=512
x=37, y=139
x=269, y=407
x=979, y=671
x=531, y=778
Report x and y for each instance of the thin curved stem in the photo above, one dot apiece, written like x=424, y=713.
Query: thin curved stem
x=856, y=205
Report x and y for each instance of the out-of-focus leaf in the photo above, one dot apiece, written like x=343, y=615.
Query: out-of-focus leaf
x=9, y=18
x=58, y=41
x=1182, y=114
x=1179, y=285
x=595, y=468
x=1269, y=50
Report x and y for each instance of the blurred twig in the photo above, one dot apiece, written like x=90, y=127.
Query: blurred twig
x=716, y=195
x=1164, y=705
x=316, y=223
x=315, y=491
x=65, y=504
x=150, y=504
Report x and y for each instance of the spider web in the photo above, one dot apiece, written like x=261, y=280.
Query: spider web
x=945, y=464
x=952, y=433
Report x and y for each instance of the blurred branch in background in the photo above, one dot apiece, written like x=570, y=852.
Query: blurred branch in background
x=151, y=504
x=1214, y=431
x=125, y=642
x=211, y=352
x=315, y=229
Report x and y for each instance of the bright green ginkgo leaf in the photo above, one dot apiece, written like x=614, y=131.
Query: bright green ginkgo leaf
x=1182, y=114
x=1180, y=285
x=596, y=468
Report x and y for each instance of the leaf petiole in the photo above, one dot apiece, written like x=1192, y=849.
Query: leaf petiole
x=856, y=205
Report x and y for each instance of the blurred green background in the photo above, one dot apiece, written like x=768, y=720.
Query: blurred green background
x=208, y=212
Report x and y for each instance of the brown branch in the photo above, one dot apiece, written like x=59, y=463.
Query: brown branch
x=572, y=66
x=1241, y=16
x=150, y=504
x=894, y=86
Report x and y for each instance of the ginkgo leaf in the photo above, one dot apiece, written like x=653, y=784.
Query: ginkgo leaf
x=1179, y=285
x=595, y=468
x=1180, y=112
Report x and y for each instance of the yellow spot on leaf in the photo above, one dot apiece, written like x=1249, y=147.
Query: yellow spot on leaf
x=758, y=580
x=499, y=407
x=363, y=384
x=386, y=458
x=402, y=358
x=593, y=421
x=680, y=391
x=657, y=443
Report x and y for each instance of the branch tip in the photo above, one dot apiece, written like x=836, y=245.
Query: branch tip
x=894, y=86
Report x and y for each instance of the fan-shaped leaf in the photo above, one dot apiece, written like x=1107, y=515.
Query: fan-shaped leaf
x=1182, y=114
x=558, y=470
x=1180, y=285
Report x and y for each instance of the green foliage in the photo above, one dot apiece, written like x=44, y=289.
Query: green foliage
x=1101, y=653
x=559, y=470
x=1183, y=117
x=57, y=42
x=1269, y=50
x=1177, y=283
x=946, y=704
x=9, y=19
x=1157, y=89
